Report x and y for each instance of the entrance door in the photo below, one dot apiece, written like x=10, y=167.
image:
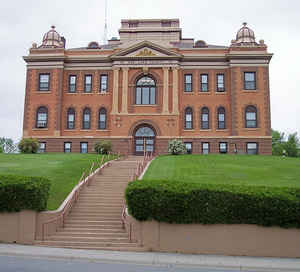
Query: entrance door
x=144, y=140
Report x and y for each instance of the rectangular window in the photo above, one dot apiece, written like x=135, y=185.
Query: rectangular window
x=204, y=83
x=188, y=121
x=205, y=121
x=42, y=148
x=205, y=148
x=220, y=83
x=145, y=96
x=71, y=121
x=152, y=96
x=102, y=121
x=44, y=82
x=221, y=121
x=72, y=84
x=83, y=147
x=188, y=79
x=138, y=96
x=87, y=83
x=67, y=147
x=251, y=120
x=249, y=80
x=86, y=121
x=189, y=147
x=223, y=148
x=252, y=148
x=103, y=83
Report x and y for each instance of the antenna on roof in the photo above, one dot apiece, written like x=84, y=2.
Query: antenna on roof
x=105, y=25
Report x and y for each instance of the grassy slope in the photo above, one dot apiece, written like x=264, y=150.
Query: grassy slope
x=64, y=170
x=234, y=169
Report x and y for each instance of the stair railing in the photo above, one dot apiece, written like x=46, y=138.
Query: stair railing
x=85, y=180
x=141, y=165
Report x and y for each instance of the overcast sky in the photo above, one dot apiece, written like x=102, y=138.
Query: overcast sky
x=216, y=22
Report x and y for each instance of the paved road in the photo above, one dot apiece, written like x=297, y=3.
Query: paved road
x=21, y=258
x=30, y=264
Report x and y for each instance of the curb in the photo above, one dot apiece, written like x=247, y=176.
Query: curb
x=235, y=263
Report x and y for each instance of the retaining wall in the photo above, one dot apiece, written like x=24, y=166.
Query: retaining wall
x=235, y=240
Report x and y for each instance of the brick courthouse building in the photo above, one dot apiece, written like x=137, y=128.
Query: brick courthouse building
x=148, y=87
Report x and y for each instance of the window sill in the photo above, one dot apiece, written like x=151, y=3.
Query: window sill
x=201, y=92
x=205, y=129
x=85, y=130
x=71, y=92
x=40, y=129
x=220, y=93
x=250, y=91
x=145, y=105
x=252, y=128
x=43, y=92
x=225, y=129
x=104, y=130
x=188, y=93
x=70, y=129
x=189, y=129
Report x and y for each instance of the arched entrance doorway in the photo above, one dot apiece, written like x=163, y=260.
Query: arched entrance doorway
x=144, y=139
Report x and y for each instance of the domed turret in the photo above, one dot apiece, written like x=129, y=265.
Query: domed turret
x=52, y=39
x=245, y=36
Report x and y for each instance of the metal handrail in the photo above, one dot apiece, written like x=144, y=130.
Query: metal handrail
x=83, y=181
x=137, y=173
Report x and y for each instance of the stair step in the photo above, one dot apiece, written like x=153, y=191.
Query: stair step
x=98, y=217
x=88, y=239
x=88, y=244
x=92, y=226
x=103, y=210
x=73, y=212
x=91, y=234
x=93, y=222
x=135, y=248
x=92, y=230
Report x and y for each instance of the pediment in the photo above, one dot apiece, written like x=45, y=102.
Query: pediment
x=146, y=50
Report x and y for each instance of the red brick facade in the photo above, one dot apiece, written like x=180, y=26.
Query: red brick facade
x=124, y=62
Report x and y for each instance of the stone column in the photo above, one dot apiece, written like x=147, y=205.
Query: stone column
x=125, y=90
x=166, y=91
x=175, y=90
x=115, y=104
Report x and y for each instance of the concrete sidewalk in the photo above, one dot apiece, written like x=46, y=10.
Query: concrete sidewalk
x=256, y=264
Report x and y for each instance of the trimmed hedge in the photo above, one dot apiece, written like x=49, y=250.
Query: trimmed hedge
x=19, y=193
x=184, y=202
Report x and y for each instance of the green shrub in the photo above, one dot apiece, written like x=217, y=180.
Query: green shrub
x=103, y=147
x=29, y=145
x=176, y=147
x=185, y=202
x=20, y=193
x=1, y=150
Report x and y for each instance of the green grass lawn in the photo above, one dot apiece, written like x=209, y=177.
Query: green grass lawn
x=233, y=169
x=64, y=170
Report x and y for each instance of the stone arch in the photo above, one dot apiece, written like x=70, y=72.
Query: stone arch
x=145, y=122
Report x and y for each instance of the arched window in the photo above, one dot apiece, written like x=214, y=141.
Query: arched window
x=205, y=118
x=42, y=117
x=188, y=116
x=145, y=93
x=71, y=118
x=86, y=120
x=251, y=117
x=102, y=118
x=221, y=118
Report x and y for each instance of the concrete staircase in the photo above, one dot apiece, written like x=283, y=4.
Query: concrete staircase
x=95, y=220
